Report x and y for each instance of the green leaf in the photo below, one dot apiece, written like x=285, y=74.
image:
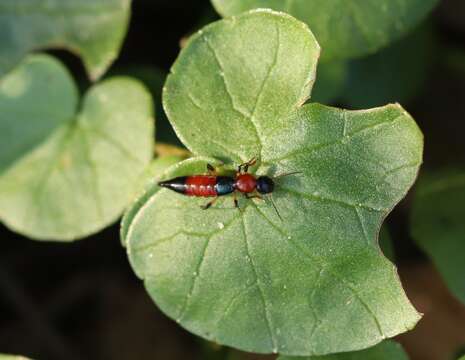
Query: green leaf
x=230, y=101
x=316, y=282
x=154, y=79
x=64, y=173
x=92, y=29
x=438, y=225
x=387, y=350
x=394, y=74
x=344, y=28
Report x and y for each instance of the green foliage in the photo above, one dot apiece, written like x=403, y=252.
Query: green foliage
x=146, y=187
x=387, y=350
x=393, y=74
x=154, y=79
x=330, y=81
x=438, y=224
x=316, y=282
x=344, y=28
x=93, y=29
x=66, y=173
x=12, y=357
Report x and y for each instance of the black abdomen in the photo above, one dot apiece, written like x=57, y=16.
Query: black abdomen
x=224, y=185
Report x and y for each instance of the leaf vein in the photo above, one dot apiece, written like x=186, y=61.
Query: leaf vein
x=326, y=199
x=225, y=83
x=198, y=269
x=94, y=171
x=163, y=240
x=262, y=87
x=49, y=168
x=347, y=285
x=402, y=167
x=362, y=225
x=262, y=294
x=233, y=103
x=116, y=144
x=348, y=136
x=233, y=300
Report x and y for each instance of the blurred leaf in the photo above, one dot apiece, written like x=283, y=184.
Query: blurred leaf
x=394, y=74
x=162, y=149
x=245, y=278
x=93, y=29
x=438, y=224
x=12, y=357
x=387, y=350
x=154, y=79
x=330, y=82
x=344, y=28
x=66, y=174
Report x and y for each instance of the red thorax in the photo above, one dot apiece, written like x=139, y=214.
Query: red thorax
x=245, y=183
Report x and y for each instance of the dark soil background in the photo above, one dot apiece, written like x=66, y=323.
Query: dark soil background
x=82, y=300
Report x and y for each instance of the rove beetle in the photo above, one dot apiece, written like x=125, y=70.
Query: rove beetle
x=211, y=185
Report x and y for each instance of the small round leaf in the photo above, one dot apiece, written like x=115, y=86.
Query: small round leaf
x=64, y=173
x=93, y=29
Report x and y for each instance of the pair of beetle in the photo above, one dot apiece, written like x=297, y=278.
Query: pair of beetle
x=211, y=185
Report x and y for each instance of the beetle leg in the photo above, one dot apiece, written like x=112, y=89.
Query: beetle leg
x=248, y=196
x=236, y=203
x=209, y=204
x=213, y=170
x=210, y=169
x=244, y=167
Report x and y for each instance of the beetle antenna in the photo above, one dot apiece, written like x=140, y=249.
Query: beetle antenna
x=275, y=208
x=287, y=174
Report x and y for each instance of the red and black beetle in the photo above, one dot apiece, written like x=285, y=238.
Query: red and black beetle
x=211, y=185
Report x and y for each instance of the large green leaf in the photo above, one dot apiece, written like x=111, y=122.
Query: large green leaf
x=93, y=29
x=438, y=224
x=387, y=350
x=344, y=28
x=66, y=174
x=316, y=282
